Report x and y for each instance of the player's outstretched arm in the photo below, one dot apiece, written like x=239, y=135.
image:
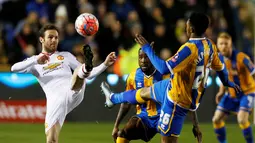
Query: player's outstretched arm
x=157, y=62
x=219, y=66
x=25, y=66
x=223, y=75
x=124, y=108
x=110, y=59
x=220, y=94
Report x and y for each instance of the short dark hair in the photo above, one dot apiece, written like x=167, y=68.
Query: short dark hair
x=47, y=27
x=199, y=22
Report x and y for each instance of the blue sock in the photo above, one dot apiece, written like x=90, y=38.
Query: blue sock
x=125, y=97
x=221, y=134
x=247, y=133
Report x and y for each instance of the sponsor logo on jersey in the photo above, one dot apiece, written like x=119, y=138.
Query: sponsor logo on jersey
x=51, y=66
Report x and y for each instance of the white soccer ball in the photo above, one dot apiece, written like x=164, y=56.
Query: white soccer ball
x=86, y=24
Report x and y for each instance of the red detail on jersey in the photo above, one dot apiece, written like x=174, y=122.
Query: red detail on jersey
x=175, y=57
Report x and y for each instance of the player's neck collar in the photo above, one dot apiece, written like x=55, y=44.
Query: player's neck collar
x=197, y=38
x=49, y=54
x=148, y=76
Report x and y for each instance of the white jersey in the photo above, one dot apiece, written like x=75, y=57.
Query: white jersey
x=55, y=78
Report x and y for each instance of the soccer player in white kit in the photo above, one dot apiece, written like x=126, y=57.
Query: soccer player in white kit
x=64, y=90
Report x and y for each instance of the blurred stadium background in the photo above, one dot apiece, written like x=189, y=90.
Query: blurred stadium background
x=22, y=102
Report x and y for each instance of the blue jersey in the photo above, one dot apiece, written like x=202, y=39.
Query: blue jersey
x=136, y=80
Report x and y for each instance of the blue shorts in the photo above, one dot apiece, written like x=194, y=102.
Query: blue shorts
x=172, y=116
x=150, y=124
x=233, y=105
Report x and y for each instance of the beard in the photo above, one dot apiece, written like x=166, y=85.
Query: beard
x=50, y=48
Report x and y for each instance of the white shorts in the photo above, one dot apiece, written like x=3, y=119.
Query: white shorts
x=57, y=108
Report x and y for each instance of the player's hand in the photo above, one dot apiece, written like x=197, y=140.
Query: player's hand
x=235, y=86
x=141, y=40
x=218, y=97
x=42, y=59
x=197, y=133
x=110, y=59
x=115, y=133
x=152, y=44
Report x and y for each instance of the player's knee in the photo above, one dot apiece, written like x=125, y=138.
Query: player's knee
x=122, y=133
x=241, y=120
x=145, y=93
x=52, y=141
x=52, y=138
x=243, y=117
x=216, y=119
x=52, y=134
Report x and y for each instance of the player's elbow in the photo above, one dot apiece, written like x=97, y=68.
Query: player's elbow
x=13, y=68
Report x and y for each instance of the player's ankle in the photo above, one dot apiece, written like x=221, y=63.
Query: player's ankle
x=82, y=72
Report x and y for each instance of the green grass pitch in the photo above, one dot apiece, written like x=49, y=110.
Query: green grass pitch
x=101, y=133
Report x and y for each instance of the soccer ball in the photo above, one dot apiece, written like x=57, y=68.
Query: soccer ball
x=86, y=24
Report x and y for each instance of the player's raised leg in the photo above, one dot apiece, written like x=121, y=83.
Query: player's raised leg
x=84, y=70
x=246, y=104
x=139, y=96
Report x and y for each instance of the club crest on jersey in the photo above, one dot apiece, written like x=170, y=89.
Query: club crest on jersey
x=51, y=66
x=174, y=59
x=59, y=57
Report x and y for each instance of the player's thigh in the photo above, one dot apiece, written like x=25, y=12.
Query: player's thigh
x=171, y=119
x=75, y=98
x=76, y=82
x=159, y=90
x=135, y=129
x=53, y=133
x=219, y=116
x=242, y=117
x=165, y=139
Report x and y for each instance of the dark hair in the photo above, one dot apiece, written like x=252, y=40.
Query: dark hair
x=199, y=22
x=47, y=27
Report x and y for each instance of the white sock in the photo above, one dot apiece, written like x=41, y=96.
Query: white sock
x=82, y=73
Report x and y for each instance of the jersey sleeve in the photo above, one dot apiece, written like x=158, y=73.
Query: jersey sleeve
x=248, y=63
x=157, y=62
x=217, y=60
x=25, y=66
x=181, y=59
x=73, y=62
